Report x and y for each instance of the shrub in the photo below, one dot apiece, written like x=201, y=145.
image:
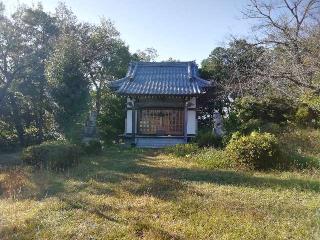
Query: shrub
x=250, y=114
x=182, y=150
x=306, y=116
x=273, y=128
x=110, y=121
x=207, y=139
x=93, y=147
x=255, y=151
x=8, y=138
x=300, y=148
x=31, y=136
x=213, y=158
x=268, y=109
x=52, y=155
x=8, y=141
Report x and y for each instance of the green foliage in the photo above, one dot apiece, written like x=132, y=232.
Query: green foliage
x=205, y=138
x=31, y=136
x=93, y=147
x=224, y=64
x=300, y=148
x=269, y=109
x=307, y=116
x=8, y=138
x=112, y=117
x=302, y=115
x=294, y=160
x=312, y=100
x=232, y=68
x=52, y=155
x=183, y=150
x=69, y=87
x=255, y=151
x=250, y=114
x=52, y=59
x=211, y=158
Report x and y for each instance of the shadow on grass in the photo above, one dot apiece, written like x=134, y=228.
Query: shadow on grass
x=147, y=230
x=89, y=208
x=117, y=166
x=122, y=167
x=162, y=188
x=167, y=183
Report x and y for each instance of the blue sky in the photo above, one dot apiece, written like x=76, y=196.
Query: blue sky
x=181, y=29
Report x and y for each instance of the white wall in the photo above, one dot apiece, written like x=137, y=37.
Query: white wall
x=192, y=117
x=192, y=122
x=128, y=124
x=129, y=121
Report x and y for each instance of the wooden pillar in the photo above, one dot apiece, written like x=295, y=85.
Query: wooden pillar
x=185, y=121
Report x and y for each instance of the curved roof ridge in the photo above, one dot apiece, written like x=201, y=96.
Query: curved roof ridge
x=161, y=78
x=169, y=63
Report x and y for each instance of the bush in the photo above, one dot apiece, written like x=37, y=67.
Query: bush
x=52, y=155
x=306, y=116
x=213, y=158
x=300, y=149
x=250, y=114
x=273, y=128
x=8, y=141
x=111, y=119
x=207, y=139
x=31, y=136
x=255, y=151
x=182, y=150
x=268, y=109
x=93, y=147
x=8, y=138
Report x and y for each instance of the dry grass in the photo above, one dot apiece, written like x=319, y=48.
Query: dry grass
x=125, y=194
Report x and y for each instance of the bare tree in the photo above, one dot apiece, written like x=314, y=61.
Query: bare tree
x=288, y=28
x=147, y=55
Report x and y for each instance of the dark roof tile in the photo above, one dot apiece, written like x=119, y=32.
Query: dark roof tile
x=161, y=78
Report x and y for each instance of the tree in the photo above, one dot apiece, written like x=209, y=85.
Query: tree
x=112, y=117
x=69, y=87
x=233, y=69
x=12, y=53
x=41, y=32
x=147, y=55
x=288, y=28
x=105, y=57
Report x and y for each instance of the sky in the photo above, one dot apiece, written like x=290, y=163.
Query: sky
x=181, y=29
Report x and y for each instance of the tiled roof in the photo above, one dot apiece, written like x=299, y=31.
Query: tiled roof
x=161, y=78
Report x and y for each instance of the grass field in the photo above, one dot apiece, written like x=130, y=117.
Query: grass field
x=135, y=194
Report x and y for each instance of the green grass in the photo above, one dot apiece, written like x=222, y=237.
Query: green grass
x=135, y=194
